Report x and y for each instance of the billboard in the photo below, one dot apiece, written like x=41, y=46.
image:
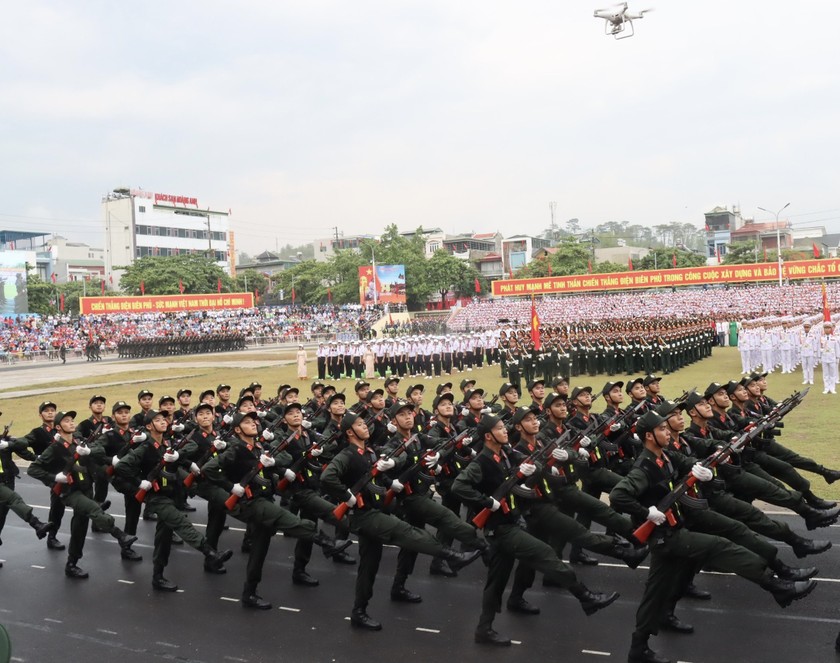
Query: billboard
x=165, y=303
x=667, y=278
x=13, y=296
x=383, y=284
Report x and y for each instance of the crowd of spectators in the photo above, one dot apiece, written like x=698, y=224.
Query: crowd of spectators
x=732, y=304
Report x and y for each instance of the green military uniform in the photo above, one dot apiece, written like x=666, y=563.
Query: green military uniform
x=9, y=499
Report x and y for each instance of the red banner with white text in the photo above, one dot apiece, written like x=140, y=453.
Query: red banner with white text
x=165, y=303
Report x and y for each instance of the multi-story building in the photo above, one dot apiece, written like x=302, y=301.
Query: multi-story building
x=141, y=223
x=74, y=261
x=326, y=248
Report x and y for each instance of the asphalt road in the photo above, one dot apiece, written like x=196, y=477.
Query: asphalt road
x=116, y=616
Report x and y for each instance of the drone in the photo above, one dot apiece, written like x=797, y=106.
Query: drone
x=617, y=20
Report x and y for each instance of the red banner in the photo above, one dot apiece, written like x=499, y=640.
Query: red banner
x=666, y=278
x=165, y=303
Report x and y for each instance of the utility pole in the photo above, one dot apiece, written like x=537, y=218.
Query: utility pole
x=209, y=240
x=552, y=208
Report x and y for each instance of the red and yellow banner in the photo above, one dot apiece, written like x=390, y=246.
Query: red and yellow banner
x=667, y=278
x=165, y=303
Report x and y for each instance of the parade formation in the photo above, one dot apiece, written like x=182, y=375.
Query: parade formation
x=508, y=474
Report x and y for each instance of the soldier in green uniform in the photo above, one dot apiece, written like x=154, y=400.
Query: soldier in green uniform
x=678, y=551
x=68, y=467
x=477, y=485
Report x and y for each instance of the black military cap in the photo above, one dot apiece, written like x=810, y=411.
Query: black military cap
x=360, y=384
x=391, y=379
x=712, y=389
x=120, y=405
x=667, y=408
x=732, y=385
x=239, y=417
x=521, y=413
x=534, y=383
x=448, y=396
x=755, y=375
x=488, y=423
x=412, y=387
x=245, y=397
x=163, y=399
x=442, y=386
x=347, y=421
x=693, y=399
x=151, y=414
x=206, y=392
x=292, y=406
x=559, y=381
x=551, y=398
x=204, y=406
x=327, y=387
x=97, y=397
x=245, y=390
x=650, y=378
x=400, y=405
x=630, y=384
x=469, y=393
x=505, y=388
x=43, y=406
x=578, y=390
x=465, y=382
x=254, y=385
x=144, y=392
x=648, y=421
x=181, y=392
x=63, y=415
x=281, y=388
x=609, y=386
x=316, y=384
x=221, y=387
x=289, y=390
x=373, y=393
x=336, y=397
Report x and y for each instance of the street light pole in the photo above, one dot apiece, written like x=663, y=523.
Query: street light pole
x=373, y=264
x=778, y=238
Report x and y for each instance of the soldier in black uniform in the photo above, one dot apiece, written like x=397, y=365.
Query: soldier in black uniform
x=144, y=399
x=85, y=429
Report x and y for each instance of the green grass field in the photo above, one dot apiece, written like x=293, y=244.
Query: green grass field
x=809, y=429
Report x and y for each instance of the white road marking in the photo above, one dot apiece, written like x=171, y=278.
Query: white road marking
x=595, y=652
x=283, y=607
x=427, y=630
x=126, y=582
x=516, y=642
x=105, y=630
x=54, y=621
x=228, y=598
x=38, y=566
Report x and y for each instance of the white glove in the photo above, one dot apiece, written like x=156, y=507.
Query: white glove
x=261, y=414
x=267, y=435
x=228, y=419
x=464, y=412
x=385, y=464
x=527, y=469
x=316, y=451
x=432, y=459
x=496, y=504
x=701, y=473
x=177, y=428
x=473, y=453
x=560, y=455
x=220, y=445
x=585, y=441
x=267, y=461
x=614, y=428
x=171, y=456
x=145, y=485
x=350, y=501
x=138, y=437
x=57, y=437
x=61, y=478
x=106, y=429
x=466, y=441
x=115, y=461
x=291, y=477
x=83, y=450
x=238, y=490
x=486, y=410
x=306, y=424
x=396, y=486
x=391, y=428
x=583, y=454
x=195, y=469
x=554, y=471
x=4, y=444
x=655, y=515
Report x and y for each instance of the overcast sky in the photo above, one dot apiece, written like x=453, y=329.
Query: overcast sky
x=467, y=115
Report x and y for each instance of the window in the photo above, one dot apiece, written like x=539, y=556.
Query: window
x=142, y=209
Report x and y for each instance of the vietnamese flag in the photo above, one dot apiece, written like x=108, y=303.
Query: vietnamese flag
x=256, y=296
x=717, y=253
x=180, y=286
x=590, y=266
x=630, y=264
x=674, y=260
x=53, y=277
x=111, y=279
x=535, y=326
x=329, y=294
x=510, y=271
x=826, y=311
x=477, y=285
x=61, y=301
x=102, y=283
x=293, y=295
x=219, y=285
x=816, y=250
x=142, y=288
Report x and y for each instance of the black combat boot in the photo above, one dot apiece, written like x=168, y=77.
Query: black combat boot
x=360, y=619
x=125, y=540
x=250, y=599
x=787, y=591
x=578, y=556
x=590, y=601
x=53, y=543
x=73, y=571
x=162, y=584
x=330, y=546
x=402, y=595
x=458, y=560
x=631, y=556
x=41, y=529
x=830, y=476
x=440, y=567
x=817, y=502
x=213, y=557
x=790, y=573
x=803, y=547
x=640, y=652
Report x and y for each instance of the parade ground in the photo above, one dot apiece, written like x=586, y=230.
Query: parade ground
x=116, y=616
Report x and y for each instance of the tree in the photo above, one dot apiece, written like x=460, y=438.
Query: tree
x=446, y=273
x=161, y=275
x=663, y=258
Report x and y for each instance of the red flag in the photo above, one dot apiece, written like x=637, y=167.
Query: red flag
x=477, y=285
x=674, y=260
x=590, y=266
x=256, y=295
x=816, y=250
x=293, y=295
x=61, y=301
x=102, y=283
x=180, y=286
x=826, y=311
x=717, y=253
x=630, y=264
x=111, y=279
x=329, y=294
x=535, y=325
x=390, y=319
x=53, y=277
x=549, y=269
x=219, y=285
x=510, y=271
x=142, y=287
